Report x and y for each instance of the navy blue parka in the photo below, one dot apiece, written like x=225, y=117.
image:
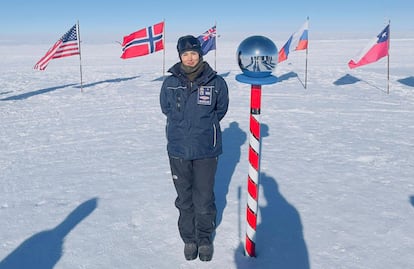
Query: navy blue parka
x=194, y=110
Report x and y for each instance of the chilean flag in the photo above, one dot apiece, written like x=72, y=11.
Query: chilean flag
x=297, y=41
x=375, y=50
x=142, y=42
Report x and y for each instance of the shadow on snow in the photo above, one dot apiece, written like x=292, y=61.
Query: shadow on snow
x=287, y=76
x=43, y=250
x=412, y=200
x=224, y=74
x=233, y=139
x=349, y=79
x=161, y=78
x=33, y=93
x=42, y=91
x=408, y=81
x=279, y=235
x=346, y=80
x=114, y=80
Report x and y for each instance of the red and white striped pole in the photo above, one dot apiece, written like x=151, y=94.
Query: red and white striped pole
x=254, y=170
x=256, y=56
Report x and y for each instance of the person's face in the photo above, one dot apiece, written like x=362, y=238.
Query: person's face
x=190, y=58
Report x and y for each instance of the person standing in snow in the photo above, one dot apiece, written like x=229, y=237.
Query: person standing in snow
x=194, y=99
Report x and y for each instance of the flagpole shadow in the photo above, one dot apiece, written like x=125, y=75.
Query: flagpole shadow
x=290, y=75
x=44, y=249
x=160, y=78
x=374, y=86
x=349, y=79
x=114, y=80
x=226, y=74
x=287, y=76
x=6, y=92
x=301, y=82
x=34, y=93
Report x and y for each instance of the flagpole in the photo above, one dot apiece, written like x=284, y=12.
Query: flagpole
x=163, y=53
x=80, y=57
x=306, y=60
x=215, y=51
x=388, y=57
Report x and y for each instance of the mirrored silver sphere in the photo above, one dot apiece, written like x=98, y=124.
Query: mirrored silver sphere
x=257, y=56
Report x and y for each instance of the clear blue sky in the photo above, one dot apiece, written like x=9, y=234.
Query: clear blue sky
x=44, y=19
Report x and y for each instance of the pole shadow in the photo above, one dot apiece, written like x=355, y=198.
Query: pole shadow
x=349, y=79
x=113, y=80
x=279, y=235
x=33, y=93
x=233, y=138
x=44, y=249
x=290, y=75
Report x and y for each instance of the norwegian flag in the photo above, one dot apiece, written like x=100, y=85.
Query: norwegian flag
x=208, y=40
x=145, y=41
x=67, y=45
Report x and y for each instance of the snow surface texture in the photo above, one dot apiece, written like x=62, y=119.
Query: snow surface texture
x=85, y=181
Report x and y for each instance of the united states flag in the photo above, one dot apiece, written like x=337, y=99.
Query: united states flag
x=142, y=42
x=66, y=46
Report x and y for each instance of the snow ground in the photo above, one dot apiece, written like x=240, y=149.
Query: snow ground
x=85, y=181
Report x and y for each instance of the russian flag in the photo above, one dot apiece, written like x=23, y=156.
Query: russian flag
x=284, y=51
x=297, y=41
x=303, y=41
x=375, y=50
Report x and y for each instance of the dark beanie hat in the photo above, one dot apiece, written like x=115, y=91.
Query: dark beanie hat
x=188, y=42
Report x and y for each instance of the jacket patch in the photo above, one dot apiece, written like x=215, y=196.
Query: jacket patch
x=204, y=95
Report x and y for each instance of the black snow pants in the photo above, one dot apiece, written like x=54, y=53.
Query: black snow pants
x=194, y=183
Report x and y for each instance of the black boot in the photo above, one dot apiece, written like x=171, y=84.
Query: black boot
x=205, y=252
x=190, y=251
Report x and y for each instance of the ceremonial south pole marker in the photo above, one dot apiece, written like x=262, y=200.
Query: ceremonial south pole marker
x=257, y=58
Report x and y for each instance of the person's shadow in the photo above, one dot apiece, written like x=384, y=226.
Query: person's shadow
x=43, y=250
x=233, y=138
x=412, y=200
x=279, y=235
